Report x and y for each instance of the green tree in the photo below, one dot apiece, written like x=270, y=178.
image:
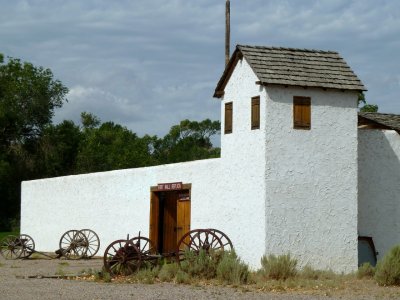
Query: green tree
x=366, y=107
x=112, y=146
x=369, y=108
x=28, y=97
x=58, y=148
x=89, y=120
x=190, y=140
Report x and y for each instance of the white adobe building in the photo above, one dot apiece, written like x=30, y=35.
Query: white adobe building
x=300, y=172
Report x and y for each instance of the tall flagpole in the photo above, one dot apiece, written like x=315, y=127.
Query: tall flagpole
x=227, y=30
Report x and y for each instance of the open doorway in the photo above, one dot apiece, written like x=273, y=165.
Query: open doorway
x=169, y=216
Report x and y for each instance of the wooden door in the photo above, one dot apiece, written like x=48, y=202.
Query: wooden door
x=183, y=214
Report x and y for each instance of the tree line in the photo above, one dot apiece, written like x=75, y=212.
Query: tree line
x=32, y=147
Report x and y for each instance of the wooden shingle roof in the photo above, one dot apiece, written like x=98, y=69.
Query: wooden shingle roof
x=294, y=67
x=390, y=121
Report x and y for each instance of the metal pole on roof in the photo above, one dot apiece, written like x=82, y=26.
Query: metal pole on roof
x=227, y=30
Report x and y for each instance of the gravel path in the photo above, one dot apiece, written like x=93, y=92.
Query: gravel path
x=14, y=284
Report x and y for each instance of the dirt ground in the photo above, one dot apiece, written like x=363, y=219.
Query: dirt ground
x=15, y=283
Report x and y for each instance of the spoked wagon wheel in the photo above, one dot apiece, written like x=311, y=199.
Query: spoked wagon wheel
x=28, y=245
x=198, y=240
x=93, y=242
x=73, y=244
x=147, y=249
x=225, y=240
x=10, y=248
x=122, y=257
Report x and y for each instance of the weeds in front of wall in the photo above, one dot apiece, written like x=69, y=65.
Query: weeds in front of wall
x=146, y=275
x=279, y=267
x=202, y=264
x=168, y=272
x=226, y=267
x=232, y=270
x=102, y=276
x=277, y=274
x=365, y=271
x=310, y=273
x=280, y=274
x=63, y=263
x=388, y=269
x=183, y=277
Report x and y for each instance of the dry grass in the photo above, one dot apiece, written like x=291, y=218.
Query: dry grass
x=196, y=272
x=346, y=286
x=340, y=286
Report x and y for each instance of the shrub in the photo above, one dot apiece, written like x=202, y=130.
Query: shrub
x=388, y=269
x=309, y=272
x=146, y=275
x=366, y=270
x=168, y=272
x=103, y=275
x=182, y=277
x=279, y=267
x=202, y=264
x=231, y=269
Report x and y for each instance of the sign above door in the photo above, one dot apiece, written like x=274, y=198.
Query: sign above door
x=172, y=186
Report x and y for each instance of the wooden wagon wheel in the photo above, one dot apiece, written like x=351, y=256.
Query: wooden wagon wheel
x=197, y=240
x=93, y=242
x=226, y=242
x=73, y=244
x=122, y=257
x=10, y=248
x=28, y=245
x=147, y=250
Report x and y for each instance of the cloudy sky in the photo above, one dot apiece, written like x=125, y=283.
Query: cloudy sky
x=147, y=64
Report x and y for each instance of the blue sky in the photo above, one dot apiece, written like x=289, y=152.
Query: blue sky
x=147, y=64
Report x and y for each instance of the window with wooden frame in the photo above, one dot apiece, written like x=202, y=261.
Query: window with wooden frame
x=228, y=117
x=301, y=112
x=255, y=112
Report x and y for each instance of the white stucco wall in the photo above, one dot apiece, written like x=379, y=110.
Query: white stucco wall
x=311, y=179
x=243, y=159
x=379, y=187
x=118, y=202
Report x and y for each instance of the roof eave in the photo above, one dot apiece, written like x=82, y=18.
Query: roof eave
x=264, y=83
x=236, y=56
x=365, y=116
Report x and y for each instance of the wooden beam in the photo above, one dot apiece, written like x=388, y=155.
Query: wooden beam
x=227, y=30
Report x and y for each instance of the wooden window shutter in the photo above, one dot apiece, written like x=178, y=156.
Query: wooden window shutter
x=255, y=112
x=228, y=117
x=301, y=112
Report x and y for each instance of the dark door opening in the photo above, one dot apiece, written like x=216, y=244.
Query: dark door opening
x=366, y=251
x=169, y=217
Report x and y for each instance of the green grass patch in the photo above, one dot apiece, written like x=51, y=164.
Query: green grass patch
x=7, y=233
